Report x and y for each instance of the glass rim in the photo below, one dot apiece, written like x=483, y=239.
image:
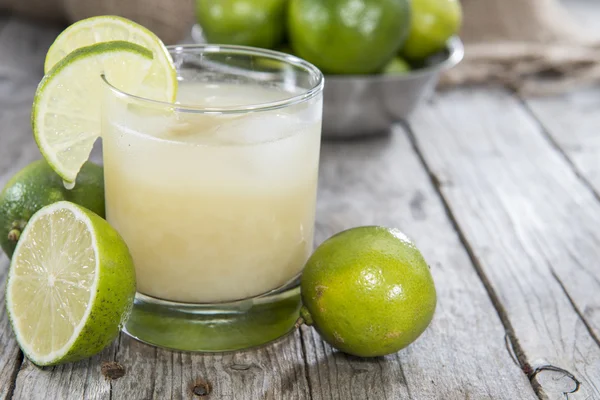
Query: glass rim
x=235, y=49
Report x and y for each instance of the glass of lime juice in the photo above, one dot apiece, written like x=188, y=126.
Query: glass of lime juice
x=215, y=195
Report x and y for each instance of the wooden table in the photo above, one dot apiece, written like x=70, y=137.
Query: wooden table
x=501, y=193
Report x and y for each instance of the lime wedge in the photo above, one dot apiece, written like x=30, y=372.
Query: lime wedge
x=67, y=104
x=108, y=28
x=70, y=286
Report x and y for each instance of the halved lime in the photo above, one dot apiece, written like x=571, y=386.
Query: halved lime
x=108, y=28
x=67, y=103
x=70, y=286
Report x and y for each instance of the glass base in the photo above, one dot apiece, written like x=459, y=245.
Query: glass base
x=216, y=327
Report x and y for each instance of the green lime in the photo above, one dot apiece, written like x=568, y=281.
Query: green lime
x=348, y=36
x=66, y=108
x=36, y=186
x=106, y=28
x=285, y=48
x=70, y=286
x=368, y=291
x=258, y=23
x=433, y=22
x=397, y=66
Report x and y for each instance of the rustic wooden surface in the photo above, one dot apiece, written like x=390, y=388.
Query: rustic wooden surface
x=531, y=226
x=500, y=193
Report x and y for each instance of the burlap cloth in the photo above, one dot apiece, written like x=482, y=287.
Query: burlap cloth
x=171, y=20
x=532, y=46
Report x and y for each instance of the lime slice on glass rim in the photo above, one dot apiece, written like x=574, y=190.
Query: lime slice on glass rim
x=108, y=28
x=70, y=285
x=66, y=108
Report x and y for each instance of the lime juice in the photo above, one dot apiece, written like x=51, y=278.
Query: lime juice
x=213, y=206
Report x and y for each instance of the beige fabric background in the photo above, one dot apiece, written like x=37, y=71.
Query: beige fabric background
x=533, y=46
x=169, y=19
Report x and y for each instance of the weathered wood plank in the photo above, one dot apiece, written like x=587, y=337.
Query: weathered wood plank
x=572, y=122
x=437, y=366
x=463, y=353
x=23, y=46
x=273, y=372
x=25, y=43
x=81, y=380
x=261, y=374
x=586, y=12
x=532, y=225
x=10, y=355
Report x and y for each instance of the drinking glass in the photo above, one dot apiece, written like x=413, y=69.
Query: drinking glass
x=215, y=195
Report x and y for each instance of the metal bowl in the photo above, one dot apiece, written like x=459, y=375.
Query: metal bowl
x=359, y=105
x=365, y=105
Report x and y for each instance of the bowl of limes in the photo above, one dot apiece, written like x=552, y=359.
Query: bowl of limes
x=380, y=58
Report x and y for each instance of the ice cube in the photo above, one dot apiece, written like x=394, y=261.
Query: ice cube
x=256, y=128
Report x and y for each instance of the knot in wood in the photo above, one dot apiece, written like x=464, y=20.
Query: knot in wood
x=552, y=379
x=112, y=370
x=201, y=388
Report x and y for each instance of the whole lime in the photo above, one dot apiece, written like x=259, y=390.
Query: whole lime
x=36, y=186
x=433, y=22
x=397, y=66
x=258, y=23
x=368, y=291
x=348, y=36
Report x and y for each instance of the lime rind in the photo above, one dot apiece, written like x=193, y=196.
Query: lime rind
x=67, y=152
x=110, y=28
x=56, y=51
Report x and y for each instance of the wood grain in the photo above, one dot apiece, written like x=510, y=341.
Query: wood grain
x=531, y=224
x=80, y=380
x=23, y=46
x=272, y=372
x=574, y=129
x=463, y=354
x=10, y=355
x=571, y=119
